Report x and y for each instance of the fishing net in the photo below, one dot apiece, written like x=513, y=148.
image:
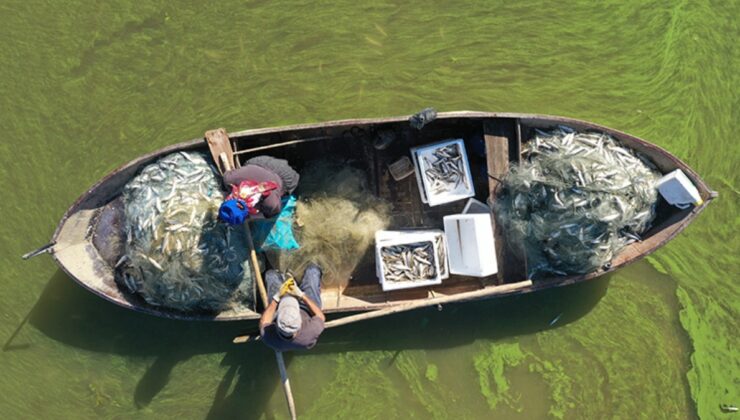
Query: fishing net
x=178, y=255
x=337, y=217
x=576, y=200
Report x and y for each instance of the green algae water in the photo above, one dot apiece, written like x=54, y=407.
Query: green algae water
x=87, y=86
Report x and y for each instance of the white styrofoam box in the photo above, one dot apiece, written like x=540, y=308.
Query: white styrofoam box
x=444, y=266
x=390, y=238
x=464, y=190
x=422, y=192
x=470, y=245
x=474, y=206
x=678, y=190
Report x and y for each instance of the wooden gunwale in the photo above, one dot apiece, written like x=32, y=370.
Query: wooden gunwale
x=97, y=196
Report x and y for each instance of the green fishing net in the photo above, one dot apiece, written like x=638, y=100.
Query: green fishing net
x=177, y=254
x=576, y=200
x=337, y=217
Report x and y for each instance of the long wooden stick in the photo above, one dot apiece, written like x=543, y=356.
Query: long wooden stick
x=278, y=355
x=256, y=265
x=46, y=248
x=286, y=383
x=475, y=294
x=504, y=288
x=285, y=143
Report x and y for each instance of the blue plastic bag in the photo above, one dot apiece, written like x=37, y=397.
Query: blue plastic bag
x=276, y=233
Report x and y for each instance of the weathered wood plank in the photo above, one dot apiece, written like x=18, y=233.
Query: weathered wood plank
x=497, y=159
x=498, y=141
x=220, y=147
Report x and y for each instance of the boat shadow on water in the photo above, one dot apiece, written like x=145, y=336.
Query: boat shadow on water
x=69, y=314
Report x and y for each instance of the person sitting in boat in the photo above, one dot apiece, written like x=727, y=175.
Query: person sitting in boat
x=257, y=189
x=293, y=319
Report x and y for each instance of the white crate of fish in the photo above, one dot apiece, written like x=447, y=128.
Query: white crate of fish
x=407, y=260
x=440, y=244
x=443, y=172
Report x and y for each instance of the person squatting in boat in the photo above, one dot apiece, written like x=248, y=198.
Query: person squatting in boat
x=256, y=189
x=293, y=319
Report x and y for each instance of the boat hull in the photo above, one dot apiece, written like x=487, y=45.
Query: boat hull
x=87, y=239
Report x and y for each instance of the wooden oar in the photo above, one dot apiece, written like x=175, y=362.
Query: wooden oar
x=501, y=289
x=286, y=383
x=263, y=295
x=222, y=152
x=256, y=265
x=475, y=294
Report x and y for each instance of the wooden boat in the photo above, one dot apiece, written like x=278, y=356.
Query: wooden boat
x=87, y=242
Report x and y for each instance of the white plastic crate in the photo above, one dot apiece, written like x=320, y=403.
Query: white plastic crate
x=385, y=239
x=471, y=247
x=437, y=234
x=463, y=190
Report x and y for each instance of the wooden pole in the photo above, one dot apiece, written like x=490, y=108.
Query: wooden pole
x=504, y=288
x=458, y=297
x=222, y=152
x=278, y=355
x=283, y=144
x=256, y=265
x=286, y=383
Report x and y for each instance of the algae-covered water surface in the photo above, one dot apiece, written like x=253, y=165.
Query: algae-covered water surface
x=87, y=86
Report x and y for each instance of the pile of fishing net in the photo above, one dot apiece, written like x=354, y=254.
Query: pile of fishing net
x=576, y=200
x=177, y=254
x=336, y=217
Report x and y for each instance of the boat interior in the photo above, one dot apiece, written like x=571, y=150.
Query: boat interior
x=493, y=143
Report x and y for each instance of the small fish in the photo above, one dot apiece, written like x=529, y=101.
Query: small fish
x=130, y=283
x=587, y=141
x=620, y=205
x=123, y=259
x=632, y=236
x=555, y=320
x=610, y=217
x=642, y=214
x=155, y=263
x=566, y=129
x=186, y=156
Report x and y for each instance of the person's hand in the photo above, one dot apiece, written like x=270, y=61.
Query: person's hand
x=284, y=288
x=295, y=291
